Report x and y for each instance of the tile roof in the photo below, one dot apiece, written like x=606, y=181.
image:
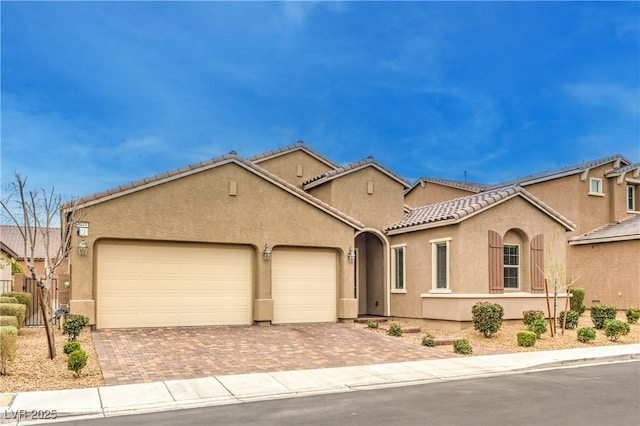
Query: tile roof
x=298, y=146
x=461, y=208
x=350, y=168
x=626, y=229
x=623, y=170
x=11, y=237
x=205, y=165
x=467, y=186
x=565, y=171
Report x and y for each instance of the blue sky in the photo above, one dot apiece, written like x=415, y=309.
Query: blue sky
x=95, y=95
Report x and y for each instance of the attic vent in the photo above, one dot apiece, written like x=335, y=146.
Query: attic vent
x=299, y=170
x=369, y=187
x=233, y=188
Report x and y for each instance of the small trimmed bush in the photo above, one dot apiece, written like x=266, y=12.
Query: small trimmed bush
x=428, y=340
x=23, y=297
x=530, y=316
x=572, y=319
x=372, y=324
x=633, y=315
x=73, y=326
x=8, y=346
x=17, y=310
x=395, y=330
x=71, y=347
x=576, y=303
x=9, y=320
x=539, y=327
x=77, y=361
x=614, y=328
x=586, y=334
x=8, y=299
x=462, y=347
x=601, y=313
x=526, y=338
x=487, y=317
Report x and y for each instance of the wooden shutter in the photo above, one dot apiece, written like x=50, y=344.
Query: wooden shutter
x=537, y=264
x=496, y=263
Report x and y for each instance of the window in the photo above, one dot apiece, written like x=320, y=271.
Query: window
x=511, y=265
x=631, y=197
x=440, y=265
x=595, y=186
x=398, y=268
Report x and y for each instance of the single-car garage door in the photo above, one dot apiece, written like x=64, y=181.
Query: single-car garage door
x=155, y=284
x=303, y=285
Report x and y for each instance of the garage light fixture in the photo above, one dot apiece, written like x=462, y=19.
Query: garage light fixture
x=83, y=248
x=266, y=253
x=351, y=255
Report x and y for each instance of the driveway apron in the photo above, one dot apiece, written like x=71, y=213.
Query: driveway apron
x=147, y=355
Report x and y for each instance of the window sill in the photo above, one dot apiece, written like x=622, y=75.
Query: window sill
x=440, y=291
x=596, y=194
x=398, y=291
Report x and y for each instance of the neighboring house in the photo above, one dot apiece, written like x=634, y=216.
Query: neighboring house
x=13, y=246
x=292, y=237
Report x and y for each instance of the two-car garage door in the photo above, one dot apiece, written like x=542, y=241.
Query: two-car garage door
x=149, y=284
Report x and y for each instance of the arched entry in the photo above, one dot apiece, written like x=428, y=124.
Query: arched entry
x=371, y=273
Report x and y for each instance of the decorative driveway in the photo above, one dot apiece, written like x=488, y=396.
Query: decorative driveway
x=147, y=355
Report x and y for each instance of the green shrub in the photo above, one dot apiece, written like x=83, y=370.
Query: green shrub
x=633, y=315
x=71, y=347
x=9, y=320
x=614, y=328
x=576, y=303
x=526, y=338
x=586, y=334
x=539, y=327
x=572, y=319
x=395, y=330
x=428, y=340
x=8, y=346
x=602, y=313
x=77, y=361
x=23, y=297
x=487, y=317
x=17, y=310
x=73, y=326
x=8, y=299
x=462, y=347
x=372, y=324
x=530, y=316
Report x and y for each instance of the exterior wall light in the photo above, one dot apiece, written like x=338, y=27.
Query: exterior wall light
x=266, y=253
x=351, y=255
x=83, y=248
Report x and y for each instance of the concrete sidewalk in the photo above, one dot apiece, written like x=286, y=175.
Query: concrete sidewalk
x=23, y=408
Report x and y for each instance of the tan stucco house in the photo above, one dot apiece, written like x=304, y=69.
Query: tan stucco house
x=289, y=236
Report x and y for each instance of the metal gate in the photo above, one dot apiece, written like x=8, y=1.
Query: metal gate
x=34, y=316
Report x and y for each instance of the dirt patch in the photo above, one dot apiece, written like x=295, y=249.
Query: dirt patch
x=33, y=370
x=505, y=339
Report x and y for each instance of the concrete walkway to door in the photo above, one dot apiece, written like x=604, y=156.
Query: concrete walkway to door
x=148, y=355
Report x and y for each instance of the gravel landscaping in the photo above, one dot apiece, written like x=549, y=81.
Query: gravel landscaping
x=32, y=369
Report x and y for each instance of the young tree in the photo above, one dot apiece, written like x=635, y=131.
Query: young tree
x=34, y=212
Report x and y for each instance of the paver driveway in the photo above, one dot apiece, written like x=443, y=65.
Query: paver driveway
x=146, y=355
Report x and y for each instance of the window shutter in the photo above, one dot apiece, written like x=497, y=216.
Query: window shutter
x=537, y=264
x=496, y=266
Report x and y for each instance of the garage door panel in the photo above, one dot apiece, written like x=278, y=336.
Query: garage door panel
x=163, y=284
x=303, y=285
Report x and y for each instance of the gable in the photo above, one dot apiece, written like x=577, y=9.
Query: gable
x=295, y=166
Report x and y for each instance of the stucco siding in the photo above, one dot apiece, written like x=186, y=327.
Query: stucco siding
x=609, y=272
x=432, y=193
x=289, y=166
